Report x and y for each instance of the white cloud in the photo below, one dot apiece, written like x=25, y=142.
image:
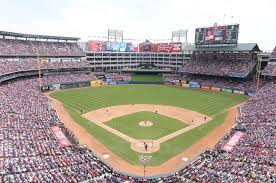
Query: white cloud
x=139, y=18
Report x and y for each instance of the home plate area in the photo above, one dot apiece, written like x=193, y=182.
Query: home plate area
x=145, y=146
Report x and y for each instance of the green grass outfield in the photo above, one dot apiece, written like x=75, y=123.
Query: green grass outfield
x=213, y=104
x=162, y=125
x=144, y=77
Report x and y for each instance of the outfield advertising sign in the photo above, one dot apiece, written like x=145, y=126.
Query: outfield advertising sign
x=205, y=87
x=56, y=86
x=227, y=90
x=96, y=83
x=238, y=92
x=112, y=83
x=185, y=85
x=194, y=85
x=215, y=89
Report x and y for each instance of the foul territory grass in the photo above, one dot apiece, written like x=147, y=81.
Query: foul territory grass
x=213, y=104
x=144, y=77
x=162, y=125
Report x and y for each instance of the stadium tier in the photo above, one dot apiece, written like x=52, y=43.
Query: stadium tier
x=135, y=61
x=17, y=44
x=273, y=54
x=31, y=152
x=35, y=145
x=238, y=61
x=270, y=69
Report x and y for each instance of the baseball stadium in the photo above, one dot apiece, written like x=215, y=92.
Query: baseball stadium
x=111, y=110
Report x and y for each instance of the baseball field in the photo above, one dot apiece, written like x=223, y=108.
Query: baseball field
x=100, y=111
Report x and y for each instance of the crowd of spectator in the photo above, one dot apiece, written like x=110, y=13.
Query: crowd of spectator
x=223, y=82
x=232, y=65
x=270, y=69
x=253, y=159
x=31, y=152
x=18, y=47
x=248, y=84
x=22, y=64
x=219, y=68
x=68, y=77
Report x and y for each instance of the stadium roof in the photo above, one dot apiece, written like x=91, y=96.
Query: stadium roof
x=273, y=54
x=14, y=34
x=247, y=47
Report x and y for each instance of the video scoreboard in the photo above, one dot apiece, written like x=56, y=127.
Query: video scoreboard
x=226, y=34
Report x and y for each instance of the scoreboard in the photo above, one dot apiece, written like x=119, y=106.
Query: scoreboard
x=226, y=34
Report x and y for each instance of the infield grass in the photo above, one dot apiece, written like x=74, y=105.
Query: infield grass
x=213, y=104
x=162, y=125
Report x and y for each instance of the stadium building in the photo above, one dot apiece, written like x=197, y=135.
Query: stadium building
x=37, y=146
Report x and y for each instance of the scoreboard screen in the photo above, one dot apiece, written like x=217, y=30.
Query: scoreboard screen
x=227, y=34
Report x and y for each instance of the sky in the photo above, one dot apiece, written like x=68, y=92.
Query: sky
x=140, y=19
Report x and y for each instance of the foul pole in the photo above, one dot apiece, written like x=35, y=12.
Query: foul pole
x=39, y=72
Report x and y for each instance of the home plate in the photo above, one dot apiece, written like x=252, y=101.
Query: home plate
x=106, y=156
x=184, y=159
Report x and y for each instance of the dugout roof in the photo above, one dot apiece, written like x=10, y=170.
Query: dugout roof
x=37, y=36
x=242, y=47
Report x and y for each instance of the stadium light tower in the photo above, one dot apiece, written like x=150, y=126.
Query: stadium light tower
x=179, y=35
x=115, y=34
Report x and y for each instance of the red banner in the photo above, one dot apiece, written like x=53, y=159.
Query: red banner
x=205, y=87
x=233, y=141
x=94, y=45
x=168, y=47
x=61, y=137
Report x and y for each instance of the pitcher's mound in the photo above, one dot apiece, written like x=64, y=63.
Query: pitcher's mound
x=145, y=123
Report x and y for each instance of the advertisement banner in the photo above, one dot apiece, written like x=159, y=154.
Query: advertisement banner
x=176, y=81
x=227, y=90
x=130, y=47
x=205, y=87
x=183, y=81
x=112, y=46
x=233, y=141
x=250, y=94
x=194, y=85
x=112, y=83
x=56, y=86
x=122, y=47
x=238, y=92
x=185, y=85
x=177, y=84
x=215, y=88
x=122, y=82
x=147, y=46
x=96, y=83
x=95, y=45
x=61, y=137
x=109, y=79
x=168, y=47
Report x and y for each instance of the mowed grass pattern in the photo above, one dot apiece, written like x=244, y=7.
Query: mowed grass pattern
x=149, y=78
x=162, y=125
x=213, y=104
